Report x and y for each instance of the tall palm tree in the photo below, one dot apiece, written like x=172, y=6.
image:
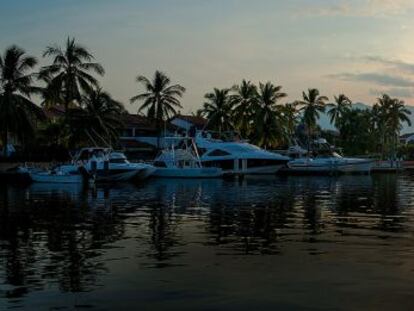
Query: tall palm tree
x=290, y=115
x=398, y=114
x=160, y=98
x=17, y=111
x=218, y=110
x=244, y=100
x=269, y=117
x=50, y=94
x=356, y=134
x=312, y=105
x=99, y=118
x=339, y=107
x=390, y=113
x=71, y=71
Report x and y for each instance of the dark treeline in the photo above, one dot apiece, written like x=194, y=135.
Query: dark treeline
x=257, y=112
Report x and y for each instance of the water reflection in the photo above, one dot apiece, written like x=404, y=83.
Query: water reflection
x=66, y=238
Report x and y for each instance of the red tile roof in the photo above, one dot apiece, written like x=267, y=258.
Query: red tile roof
x=142, y=122
x=138, y=121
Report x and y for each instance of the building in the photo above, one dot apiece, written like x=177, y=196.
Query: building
x=141, y=133
x=188, y=124
x=407, y=138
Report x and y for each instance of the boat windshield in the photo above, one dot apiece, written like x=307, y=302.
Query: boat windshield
x=86, y=154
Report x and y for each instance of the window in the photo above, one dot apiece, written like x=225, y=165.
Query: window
x=117, y=161
x=223, y=164
x=127, y=132
x=263, y=162
x=159, y=164
x=218, y=153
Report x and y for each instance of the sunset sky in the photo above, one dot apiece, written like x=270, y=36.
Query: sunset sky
x=359, y=47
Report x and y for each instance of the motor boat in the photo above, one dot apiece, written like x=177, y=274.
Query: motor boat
x=325, y=160
x=330, y=164
x=59, y=176
x=107, y=165
x=236, y=156
x=183, y=162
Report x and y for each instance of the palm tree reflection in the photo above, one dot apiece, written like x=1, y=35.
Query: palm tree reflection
x=59, y=236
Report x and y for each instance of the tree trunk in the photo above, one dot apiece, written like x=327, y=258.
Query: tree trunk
x=158, y=126
x=5, y=142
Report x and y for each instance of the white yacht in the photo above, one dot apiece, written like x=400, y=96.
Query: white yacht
x=237, y=156
x=326, y=162
x=183, y=162
x=107, y=165
x=330, y=164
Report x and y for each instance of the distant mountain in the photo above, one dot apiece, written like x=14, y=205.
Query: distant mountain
x=325, y=124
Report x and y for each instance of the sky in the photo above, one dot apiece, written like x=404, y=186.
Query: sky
x=358, y=47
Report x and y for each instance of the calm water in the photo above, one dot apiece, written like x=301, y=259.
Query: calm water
x=292, y=243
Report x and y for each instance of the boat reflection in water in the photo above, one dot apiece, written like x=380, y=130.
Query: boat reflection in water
x=268, y=242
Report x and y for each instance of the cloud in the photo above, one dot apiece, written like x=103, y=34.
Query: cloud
x=396, y=64
x=364, y=8
x=377, y=78
x=395, y=92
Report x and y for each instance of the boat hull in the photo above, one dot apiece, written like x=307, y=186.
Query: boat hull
x=56, y=178
x=335, y=167
x=188, y=172
x=363, y=167
x=263, y=170
x=124, y=175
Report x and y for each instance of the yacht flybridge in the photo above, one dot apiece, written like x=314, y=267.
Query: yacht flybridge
x=182, y=161
x=236, y=156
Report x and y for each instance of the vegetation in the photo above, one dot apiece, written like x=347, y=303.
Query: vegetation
x=218, y=109
x=268, y=116
x=17, y=112
x=244, y=101
x=69, y=74
x=160, y=99
x=312, y=106
x=98, y=121
x=257, y=112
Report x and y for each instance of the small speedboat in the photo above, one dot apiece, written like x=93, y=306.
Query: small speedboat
x=108, y=166
x=183, y=162
x=324, y=159
x=57, y=176
x=330, y=164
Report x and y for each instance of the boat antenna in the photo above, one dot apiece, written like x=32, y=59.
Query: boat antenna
x=102, y=139
x=196, y=152
x=91, y=138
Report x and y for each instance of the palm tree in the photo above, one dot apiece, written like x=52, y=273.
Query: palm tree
x=50, y=94
x=356, y=135
x=269, y=117
x=243, y=100
x=70, y=71
x=160, y=98
x=218, y=110
x=290, y=115
x=312, y=105
x=341, y=105
x=390, y=113
x=99, y=118
x=17, y=111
